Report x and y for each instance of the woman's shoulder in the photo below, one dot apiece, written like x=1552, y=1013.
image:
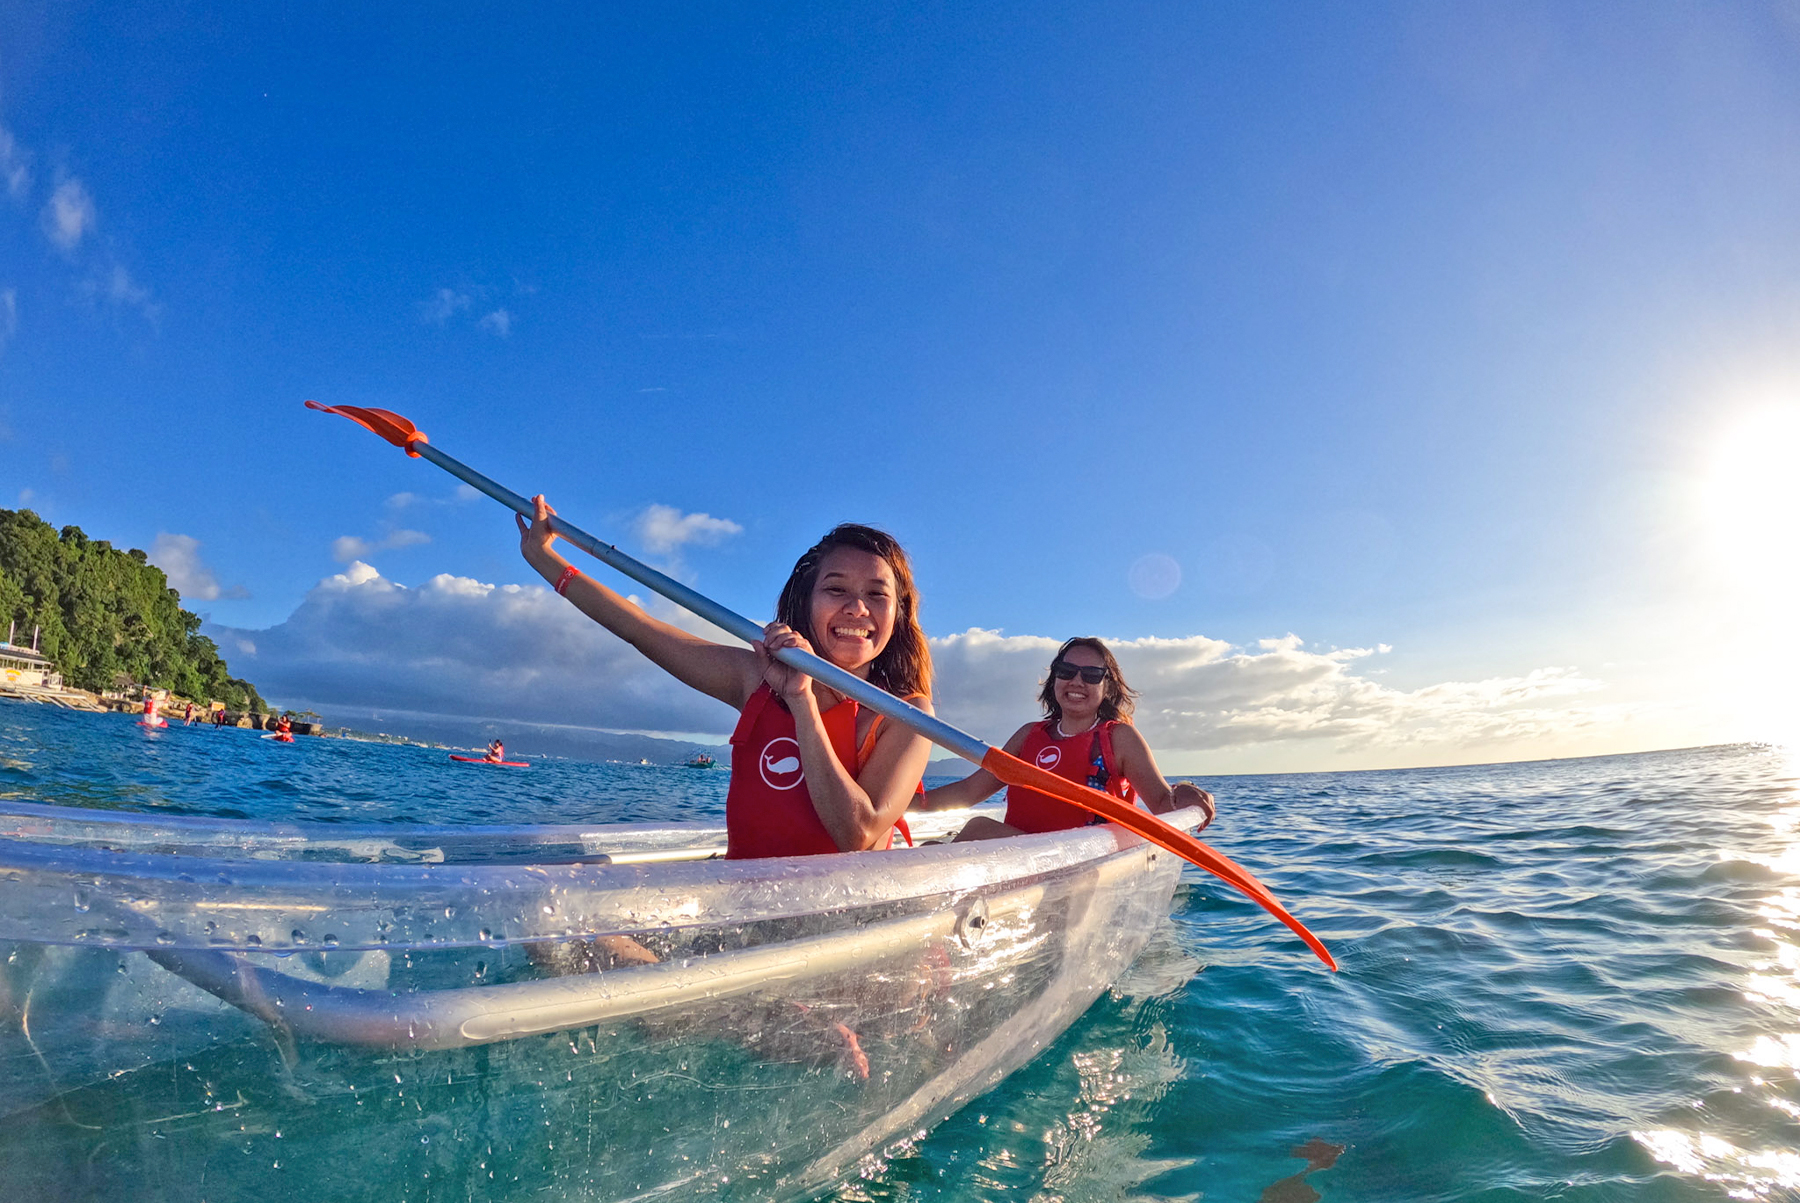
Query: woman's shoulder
x=1025, y=732
x=1124, y=731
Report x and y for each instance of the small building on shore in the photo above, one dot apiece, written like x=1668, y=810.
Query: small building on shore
x=22, y=666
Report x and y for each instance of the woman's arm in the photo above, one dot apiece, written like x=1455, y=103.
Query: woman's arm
x=728, y=673
x=1138, y=764
x=977, y=786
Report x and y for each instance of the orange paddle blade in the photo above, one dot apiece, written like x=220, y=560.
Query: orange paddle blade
x=1014, y=771
x=389, y=425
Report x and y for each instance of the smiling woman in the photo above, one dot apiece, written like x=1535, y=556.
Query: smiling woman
x=1086, y=736
x=812, y=772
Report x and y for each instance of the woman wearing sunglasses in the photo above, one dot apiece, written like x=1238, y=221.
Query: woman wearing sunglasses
x=1087, y=737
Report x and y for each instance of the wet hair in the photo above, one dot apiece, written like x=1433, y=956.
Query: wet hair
x=904, y=666
x=1119, y=699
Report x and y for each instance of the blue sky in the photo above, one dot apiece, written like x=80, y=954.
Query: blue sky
x=1255, y=338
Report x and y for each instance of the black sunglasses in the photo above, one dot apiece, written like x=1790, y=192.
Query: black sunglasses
x=1062, y=670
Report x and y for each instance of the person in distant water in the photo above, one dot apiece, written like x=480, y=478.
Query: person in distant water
x=189, y=720
x=283, y=728
x=219, y=719
x=496, y=750
x=811, y=771
x=1086, y=736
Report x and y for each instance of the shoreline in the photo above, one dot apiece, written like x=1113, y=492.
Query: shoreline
x=69, y=698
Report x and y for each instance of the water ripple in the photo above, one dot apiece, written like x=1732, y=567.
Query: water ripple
x=1572, y=980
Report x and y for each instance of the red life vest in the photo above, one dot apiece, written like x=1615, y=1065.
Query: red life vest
x=768, y=811
x=1086, y=758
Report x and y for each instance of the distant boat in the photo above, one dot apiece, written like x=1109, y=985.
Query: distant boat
x=701, y=761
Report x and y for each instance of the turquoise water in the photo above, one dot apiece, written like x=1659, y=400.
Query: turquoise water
x=1566, y=980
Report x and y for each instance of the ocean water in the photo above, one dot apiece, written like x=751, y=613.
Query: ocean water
x=1572, y=980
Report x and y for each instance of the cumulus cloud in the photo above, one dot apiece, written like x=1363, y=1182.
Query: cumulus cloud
x=499, y=322
x=444, y=304
x=458, y=647
x=1200, y=694
x=461, y=648
x=69, y=214
x=15, y=166
x=665, y=529
x=179, y=558
x=346, y=548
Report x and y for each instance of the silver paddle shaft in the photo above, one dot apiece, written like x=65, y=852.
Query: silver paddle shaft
x=875, y=698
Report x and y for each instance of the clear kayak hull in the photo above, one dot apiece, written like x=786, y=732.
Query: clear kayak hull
x=215, y=1009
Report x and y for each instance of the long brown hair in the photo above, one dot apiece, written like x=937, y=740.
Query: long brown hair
x=904, y=666
x=1117, y=702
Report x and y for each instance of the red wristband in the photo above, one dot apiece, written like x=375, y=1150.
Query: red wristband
x=562, y=582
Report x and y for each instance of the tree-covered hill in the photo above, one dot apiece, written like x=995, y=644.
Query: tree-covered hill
x=109, y=618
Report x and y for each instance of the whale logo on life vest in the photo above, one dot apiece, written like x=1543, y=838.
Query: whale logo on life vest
x=1049, y=758
x=780, y=764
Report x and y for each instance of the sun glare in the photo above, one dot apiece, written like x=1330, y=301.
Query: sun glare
x=1752, y=517
x=1753, y=498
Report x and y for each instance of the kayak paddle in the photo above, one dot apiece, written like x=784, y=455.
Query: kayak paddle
x=1009, y=769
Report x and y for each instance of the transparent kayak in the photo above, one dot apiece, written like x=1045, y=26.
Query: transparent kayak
x=221, y=1009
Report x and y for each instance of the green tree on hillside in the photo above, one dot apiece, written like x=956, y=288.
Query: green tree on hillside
x=107, y=615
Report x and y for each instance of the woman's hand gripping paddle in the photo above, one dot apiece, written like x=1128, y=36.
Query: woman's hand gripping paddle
x=1009, y=769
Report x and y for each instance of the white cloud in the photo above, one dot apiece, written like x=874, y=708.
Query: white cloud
x=1202, y=695
x=443, y=305
x=116, y=287
x=123, y=290
x=498, y=322
x=347, y=548
x=9, y=315
x=69, y=215
x=664, y=529
x=15, y=166
x=179, y=558
x=459, y=647
x=456, y=646
x=406, y=501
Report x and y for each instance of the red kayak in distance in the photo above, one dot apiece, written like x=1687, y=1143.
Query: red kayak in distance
x=505, y=764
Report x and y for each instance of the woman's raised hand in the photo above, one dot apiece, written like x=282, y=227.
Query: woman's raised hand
x=790, y=685
x=536, y=537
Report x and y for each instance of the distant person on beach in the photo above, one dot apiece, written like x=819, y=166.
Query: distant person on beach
x=1086, y=736
x=496, y=751
x=811, y=771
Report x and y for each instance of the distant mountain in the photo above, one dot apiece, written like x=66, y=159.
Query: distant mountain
x=522, y=739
